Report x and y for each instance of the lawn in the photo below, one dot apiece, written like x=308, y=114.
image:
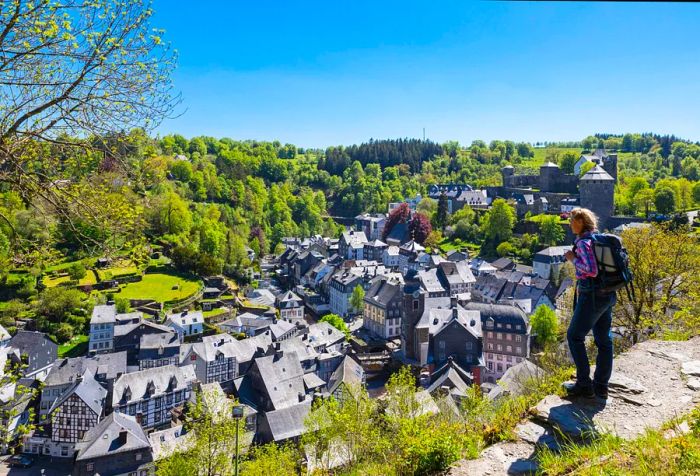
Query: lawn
x=75, y=347
x=542, y=153
x=214, y=312
x=538, y=218
x=448, y=244
x=159, y=287
x=115, y=272
x=89, y=278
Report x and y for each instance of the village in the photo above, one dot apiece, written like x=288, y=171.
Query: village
x=266, y=352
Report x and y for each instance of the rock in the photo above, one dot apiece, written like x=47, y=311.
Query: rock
x=669, y=355
x=693, y=383
x=633, y=400
x=536, y=434
x=573, y=418
x=691, y=368
x=681, y=429
x=654, y=402
x=522, y=466
x=622, y=384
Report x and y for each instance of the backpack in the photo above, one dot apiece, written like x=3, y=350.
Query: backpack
x=613, y=264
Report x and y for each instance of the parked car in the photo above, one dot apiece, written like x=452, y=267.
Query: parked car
x=20, y=461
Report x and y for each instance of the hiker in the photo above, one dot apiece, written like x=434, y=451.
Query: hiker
x=593, y=311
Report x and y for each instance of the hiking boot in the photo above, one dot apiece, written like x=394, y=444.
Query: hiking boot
x=601, y=391
x=576, y=390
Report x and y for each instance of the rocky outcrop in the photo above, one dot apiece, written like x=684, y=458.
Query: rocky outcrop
x=652, y=383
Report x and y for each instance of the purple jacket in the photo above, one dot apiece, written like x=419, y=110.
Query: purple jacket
x=584, y=262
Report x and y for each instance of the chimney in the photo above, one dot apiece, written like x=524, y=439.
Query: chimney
x=453, y=301
x=277, y=346
x=122, y=437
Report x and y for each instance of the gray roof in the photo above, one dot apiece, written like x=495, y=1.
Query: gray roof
x=597, y=173
x=124, y=329
x=322, y=333
x=453, y=376
x=348, y=372
x=262, y=296
x=549, y=164
x=104, y=314
x=280, y=328
x=382, y=292
x=161, y=377
x=103, y=439
x=439, y=319
x=185, y=318
x=515, y=379
x=88, y=390
x=412, y=246
x=282, y=377
x=355, y=238
x=288, y=422
x=312, y=381
x=64, y=371
x=40, y=350
x=499, y=312
x=155, y=341
x=289, y=300
x=430, y=281
x=457, y=272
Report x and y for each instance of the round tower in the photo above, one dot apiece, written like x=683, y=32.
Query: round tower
x=507, y=172
x=549, y=172
x=597, y=193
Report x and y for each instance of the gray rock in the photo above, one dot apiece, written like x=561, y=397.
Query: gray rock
x=572, y=418
x=694, y=383
x=691, y=368
x=622, y=384
x=537, y=435
x=668, y=355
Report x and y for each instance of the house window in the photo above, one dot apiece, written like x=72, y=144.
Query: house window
x=64, y=451
x=518, y=338
x=489, y=334
x=499, y=335
x=193, y=357
x=138, y=456
x=509, y=337
x=509, y=348
x=90, y=467
x=499, y=348
x=469, y=345
x=499, y=367
x=490, y=346
x=490, y=366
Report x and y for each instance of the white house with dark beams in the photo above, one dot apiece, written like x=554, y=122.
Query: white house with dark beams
x=150, y=394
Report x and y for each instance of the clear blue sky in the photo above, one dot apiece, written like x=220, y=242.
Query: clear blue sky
x=329, y=72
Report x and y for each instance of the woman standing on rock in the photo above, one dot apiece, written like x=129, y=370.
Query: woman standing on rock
x=593, y=311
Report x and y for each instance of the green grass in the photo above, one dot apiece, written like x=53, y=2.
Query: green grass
x=538, y=218
x=449, y=244
x=542, y=153
x=62, y=266
x=89, y=279
x=214, y=312
x=75, y=347
x=115, y=272
x=651, y=453
x=159, y=287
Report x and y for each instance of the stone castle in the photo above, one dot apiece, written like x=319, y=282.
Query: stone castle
x=595, y=190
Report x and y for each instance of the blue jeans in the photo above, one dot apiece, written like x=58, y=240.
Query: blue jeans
x=593, y=312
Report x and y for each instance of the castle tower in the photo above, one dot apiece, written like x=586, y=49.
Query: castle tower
x=549, y=173
x=610, y=165
x=597, y=193
x=506, y=172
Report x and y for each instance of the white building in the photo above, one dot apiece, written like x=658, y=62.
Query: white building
x=186, y=323
x=104, y=317
x=548, y=262
x=291, y=307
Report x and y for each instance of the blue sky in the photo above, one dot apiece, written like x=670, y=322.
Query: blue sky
x=324, y=73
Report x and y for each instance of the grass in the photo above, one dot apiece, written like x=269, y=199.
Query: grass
x=159, y=287
x=651, y=453
x=89, y=279
x=214, y=312
x=75, y=347
x=115, y=272
x=449, y=244
x=538, y=218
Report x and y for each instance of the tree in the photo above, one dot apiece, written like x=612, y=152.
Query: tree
x=213, y=435
x=357, y=299
x=123, y=305
x=665, y=200
x=336, y=321
x=79, y=67
x=696, y=193
x=551, y=232
x=55, y=303
x=441, y=214
x=77, y=271
x=545, y=325
x=398, y=215
x=585, y=167
x=644, y=200
x=505, y=249
x=420, y=227
x=664, y=264
x=568, y=161
x=264, y=460
x=497, y=224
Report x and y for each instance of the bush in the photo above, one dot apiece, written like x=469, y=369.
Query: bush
x=64, y=333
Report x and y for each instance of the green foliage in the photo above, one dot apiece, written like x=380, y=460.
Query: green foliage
x=665, y=200
x=568, y=161
x=56, y=303
x=77, y=271
x=585, y=167
x=336, y=321
x=123, y=305
x=497, y=224
x=505, y=249
x=551, y=232
x=271, y=459
x=545, y=325
x=357, y=298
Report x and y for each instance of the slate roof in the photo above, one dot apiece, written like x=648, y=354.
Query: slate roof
x=289, y=300
x=552, y=254
x=515, y=379
x=348, y=372
x=398, y=233
x=88, y=390
x=104, y=314
x=439, y=319
x=430, y=281
x=282, y=377
x=597, y=173
x=103, y=439
x=453, y=376
x=66, y=370
x=456, y=272
x=186, y=318
x=281, y=328
x=137, y=382
x=288, y=422
x=382, y=292
x=124, y=329
x=156, y=341
x=208, y=349
x=322, y=333
x=262, y=296
x=502, y=263
x=412, y=246
x=502, y=313
x=313, y=381
x=354, y=238
x=40, y=350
